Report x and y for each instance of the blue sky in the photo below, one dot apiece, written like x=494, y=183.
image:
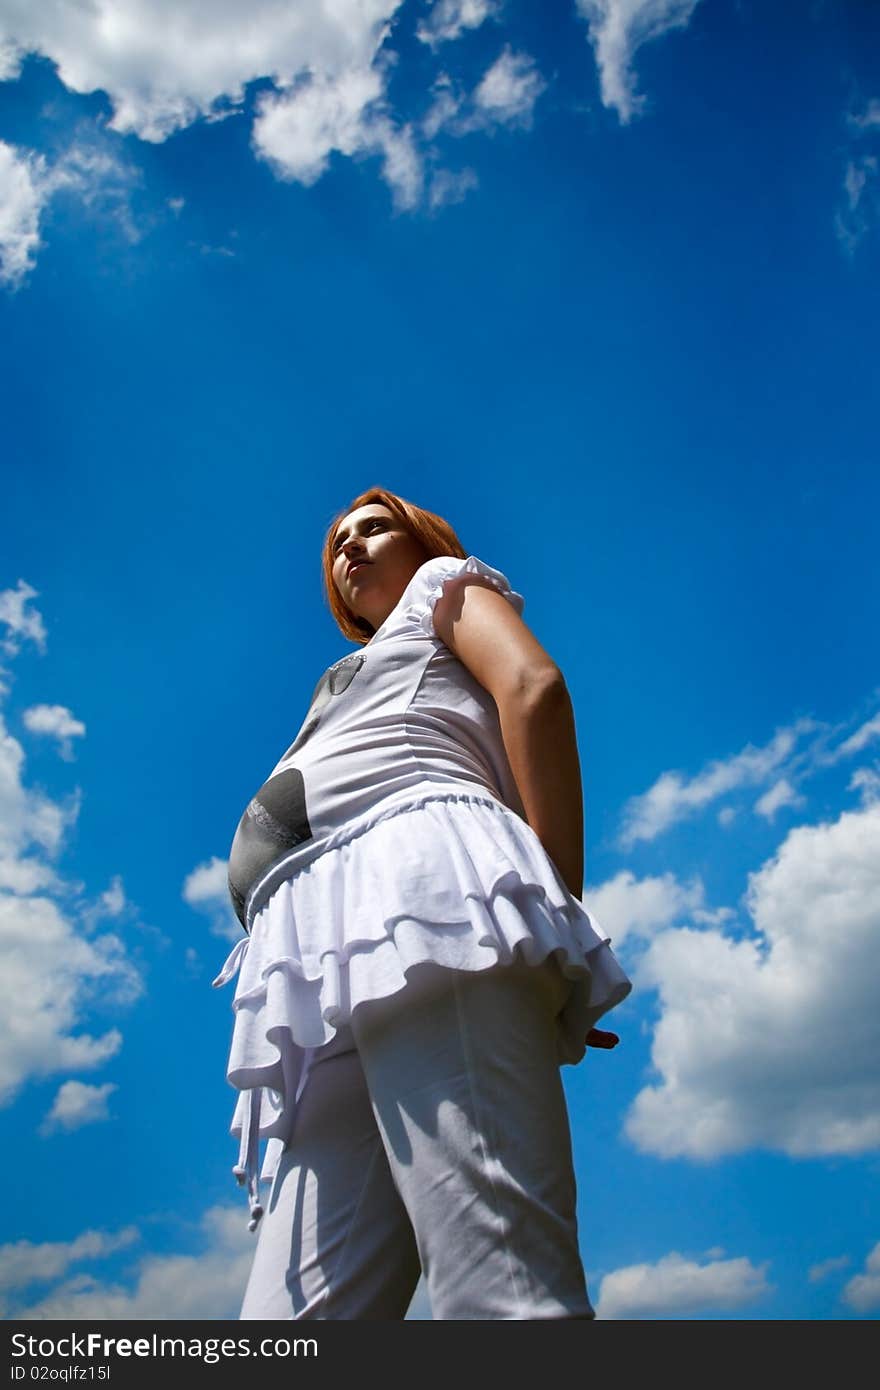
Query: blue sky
x=599, y=282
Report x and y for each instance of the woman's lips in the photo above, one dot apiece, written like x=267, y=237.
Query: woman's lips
x=356, y=565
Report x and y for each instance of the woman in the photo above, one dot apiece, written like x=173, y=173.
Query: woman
x=418, y=962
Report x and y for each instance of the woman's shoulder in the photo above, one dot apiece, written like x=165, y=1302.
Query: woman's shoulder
x=438, y=575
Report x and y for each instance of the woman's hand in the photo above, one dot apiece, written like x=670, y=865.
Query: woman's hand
x=535, y=711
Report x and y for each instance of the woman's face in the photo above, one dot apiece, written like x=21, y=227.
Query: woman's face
x=374, y=558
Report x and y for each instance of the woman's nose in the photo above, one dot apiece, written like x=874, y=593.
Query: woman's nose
x=352, y=546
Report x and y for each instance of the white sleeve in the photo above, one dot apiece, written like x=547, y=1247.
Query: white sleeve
x=438, y=576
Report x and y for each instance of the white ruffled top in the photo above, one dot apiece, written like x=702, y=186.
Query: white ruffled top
x=418, y=851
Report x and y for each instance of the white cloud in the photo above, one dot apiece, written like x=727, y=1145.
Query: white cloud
x=114, y=904
x=10, y=61
x=25, y=874
x=297, y=131
x=207, y=889
x=444, y=109
x=862, y=1292
x=163, y=66
x=23, y=194
x=401, y=162
x=113, y=901
x=77, y=1104
x=782, y=793
x=866, y=781
x=505, y=95
x=448, y=187
x=24, y=1263
x=28, y=821
x=868, y=119
x=49, y=969
x=627, y=906
x=46, y=984
x=726, y=816
x=52, y=968
x=207, y=882
x=509, y=89
x=673, y=797
x=92, y=170
x=771, y=1042
x=855, y=216
x=448, y=19
x=617, y=29
x=859, y=208
x=27, y=182
x=816, y=1273
x=58, y=722
x=677, y=1287
x=860, y=739
x=209, y=1285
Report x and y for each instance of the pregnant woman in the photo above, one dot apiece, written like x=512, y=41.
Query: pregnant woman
x=418, y=962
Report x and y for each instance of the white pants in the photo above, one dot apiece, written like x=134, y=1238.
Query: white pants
x=433, y=1134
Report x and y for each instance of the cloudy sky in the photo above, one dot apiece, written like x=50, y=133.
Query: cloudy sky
x=596, y=279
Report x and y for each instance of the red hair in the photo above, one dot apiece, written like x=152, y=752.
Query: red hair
x=434, y=535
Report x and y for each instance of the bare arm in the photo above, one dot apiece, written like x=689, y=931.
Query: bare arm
x=537, y=725
x=535, y=710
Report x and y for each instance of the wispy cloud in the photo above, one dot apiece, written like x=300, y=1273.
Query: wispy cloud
x=866, y=119
x=857, y=211
x=866, y=733
x=866, y=781
x=21, y=620
x=32, y=825
x=24, y=1263
x=28, y=182
x=862, y=1292
x=206, y=888
x=859, y=208
x=617, y=30
x=816, y=1273
x=673, y=797
x=77, y=1104
x=23, y=195
x=448, y=19
x=112, y=901
x=208, y=1285
x=680, y=1287
x=448, y=187
x=507, y=92
x=505, y=96
x=444, y=109
x=782, y=793
x=57, y=722
x=793, y=755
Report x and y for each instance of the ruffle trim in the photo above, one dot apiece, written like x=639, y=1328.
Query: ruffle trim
x=454, y=879
x=437, y=576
